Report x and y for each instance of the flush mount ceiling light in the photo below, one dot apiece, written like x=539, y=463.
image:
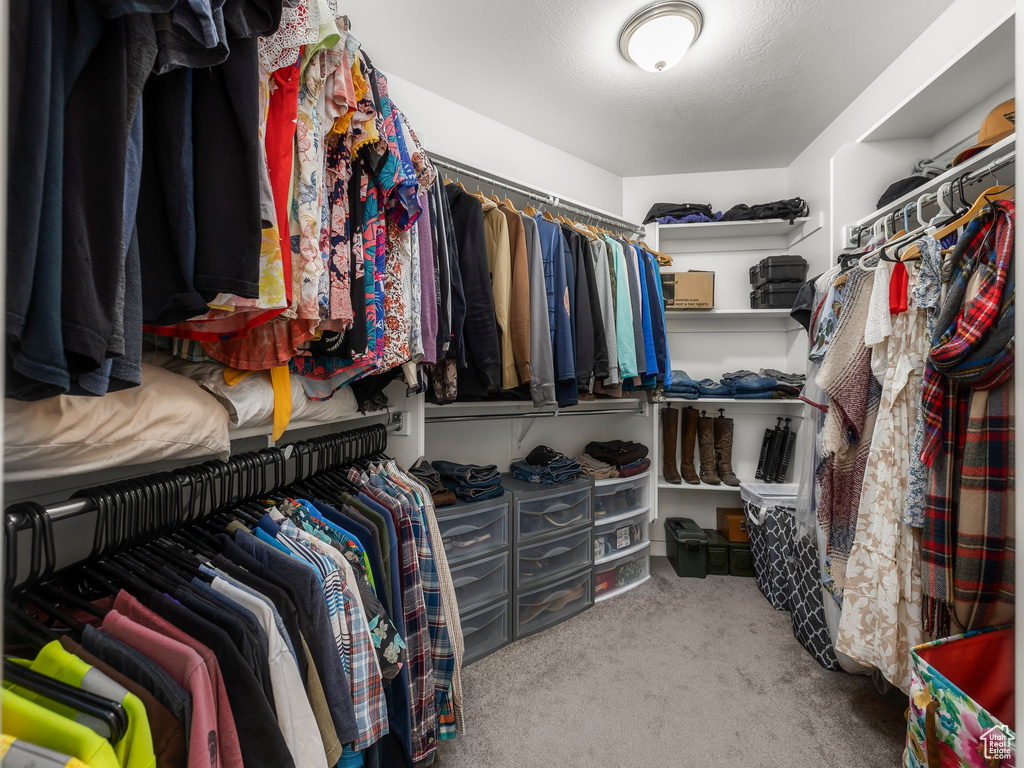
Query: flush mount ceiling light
x=657, y=37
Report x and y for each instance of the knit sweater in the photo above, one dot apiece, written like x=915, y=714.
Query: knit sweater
x=854, y=395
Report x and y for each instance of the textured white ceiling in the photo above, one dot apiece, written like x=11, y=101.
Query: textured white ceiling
x=764, y=79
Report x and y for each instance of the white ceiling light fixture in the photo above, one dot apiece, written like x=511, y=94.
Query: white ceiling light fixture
x=657, y=37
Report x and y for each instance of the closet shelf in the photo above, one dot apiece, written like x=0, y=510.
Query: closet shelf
x=730, y=401
x=619, y=590
x=980, y=160
x=730, y=320
x=708, y=230
x=395, y=420
x=703, y=487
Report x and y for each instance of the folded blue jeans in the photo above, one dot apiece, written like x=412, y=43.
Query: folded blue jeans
x=557, y=472
x=762, y=394
x=712, y=388
x=475, y=493
x=681, y=382
x=682, y=395
x=749, y=382
x=466, y=473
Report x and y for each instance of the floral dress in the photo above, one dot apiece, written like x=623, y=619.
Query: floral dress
x=882, y=598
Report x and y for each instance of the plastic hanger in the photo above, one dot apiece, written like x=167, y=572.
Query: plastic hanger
x=990, y=195
x=108, y=711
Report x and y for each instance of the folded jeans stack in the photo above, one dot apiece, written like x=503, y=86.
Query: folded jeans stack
x=546, y=465
x=712, y=388
x=470, y=482
x=430, y=478
x=682, y=386
x=747, y=385
x=629, y=458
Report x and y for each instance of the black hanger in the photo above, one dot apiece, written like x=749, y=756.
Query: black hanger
x=110, y=712
x=53, y=611
x=33, y=632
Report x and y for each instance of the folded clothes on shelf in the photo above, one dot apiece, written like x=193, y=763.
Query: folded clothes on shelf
x=595, y=468
x=634, y=468
x=546, y=465
x=748, y=381
x=617, y=452
x=712, y=388
x=431, y=479
x=470, y=482
x=681, y=384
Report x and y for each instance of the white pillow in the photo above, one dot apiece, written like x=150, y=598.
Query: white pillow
x=167, y=417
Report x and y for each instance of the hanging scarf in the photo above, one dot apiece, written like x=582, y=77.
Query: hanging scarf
x=967, y=401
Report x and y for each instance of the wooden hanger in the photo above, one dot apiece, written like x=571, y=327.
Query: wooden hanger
x=990, y=195
x=494, y=198
x=529, y=210
x=547, y=215
x=508, y=204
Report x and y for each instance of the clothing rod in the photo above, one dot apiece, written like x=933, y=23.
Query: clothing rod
x=73, y=507
x=932, y=197
x=540, y=197
x=539, y=415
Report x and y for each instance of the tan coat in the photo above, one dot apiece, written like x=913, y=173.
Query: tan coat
x=519, y=313
x=499, y=261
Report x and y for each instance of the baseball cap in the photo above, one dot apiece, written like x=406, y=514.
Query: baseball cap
x=997, y=126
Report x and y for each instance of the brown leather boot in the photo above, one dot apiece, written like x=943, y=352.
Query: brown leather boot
x=723, y=450
x=669, y=438
x=690, y=418
x=706, y=438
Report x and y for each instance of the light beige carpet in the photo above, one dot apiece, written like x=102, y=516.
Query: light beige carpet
x=676, y=673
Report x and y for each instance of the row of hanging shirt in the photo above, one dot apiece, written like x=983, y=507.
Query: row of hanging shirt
x=912, y=345
x=547, y=308
x=254, y=178
x=314, y=630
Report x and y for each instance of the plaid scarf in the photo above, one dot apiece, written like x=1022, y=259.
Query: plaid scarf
x=967, y=547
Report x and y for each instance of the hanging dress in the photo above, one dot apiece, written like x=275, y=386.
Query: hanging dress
x=882, y=598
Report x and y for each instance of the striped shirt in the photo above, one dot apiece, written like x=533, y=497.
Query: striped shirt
x=353, y=636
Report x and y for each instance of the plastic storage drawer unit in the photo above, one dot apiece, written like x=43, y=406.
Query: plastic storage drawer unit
x=564, y=554
x=485, y=631
x=686, y=545
x=472, y=530
x=614, y=537
x=778, y=269
x=631, y=569
x=741, y=559
x=546, y=510
x=620, y=497
x=481, y=581
x=546, y=606
x=718, y=553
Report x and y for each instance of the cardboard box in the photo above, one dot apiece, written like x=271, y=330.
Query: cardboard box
x=732, y=523
x=688, y=290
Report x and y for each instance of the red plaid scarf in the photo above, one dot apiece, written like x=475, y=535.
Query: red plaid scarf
x=968, y=541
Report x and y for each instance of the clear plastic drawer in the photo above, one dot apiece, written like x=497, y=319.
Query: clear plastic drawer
x=553, y=604
x=618, y=537
x=479, y=582
x=550, y=514
x=485, y=631
x=551, y=559
x=470, y=534
x=617, y=498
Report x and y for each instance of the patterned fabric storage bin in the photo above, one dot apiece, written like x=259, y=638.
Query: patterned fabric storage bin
x=806, y=608
x=961, y=702
x=762, y=504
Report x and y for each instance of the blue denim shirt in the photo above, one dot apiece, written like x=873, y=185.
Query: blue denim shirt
x=554, y=248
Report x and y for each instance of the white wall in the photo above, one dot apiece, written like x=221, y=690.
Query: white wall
x=956, y=30
x=463, y=135
x=722, y=189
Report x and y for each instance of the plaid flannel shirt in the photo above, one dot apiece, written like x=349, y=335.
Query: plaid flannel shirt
x=452, y=717
x=441, y=650
x=358, y=653
x=417, y=634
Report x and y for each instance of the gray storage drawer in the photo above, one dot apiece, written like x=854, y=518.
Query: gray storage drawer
x=546, y=606
x=542, y=562
x=481, y=581
x=485, y=631
x=472, y=533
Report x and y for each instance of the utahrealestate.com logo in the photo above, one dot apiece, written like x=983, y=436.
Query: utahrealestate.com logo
x=998, y=743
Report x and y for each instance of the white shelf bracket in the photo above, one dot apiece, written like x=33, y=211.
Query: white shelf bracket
x=808, y=229
x=523, y=432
